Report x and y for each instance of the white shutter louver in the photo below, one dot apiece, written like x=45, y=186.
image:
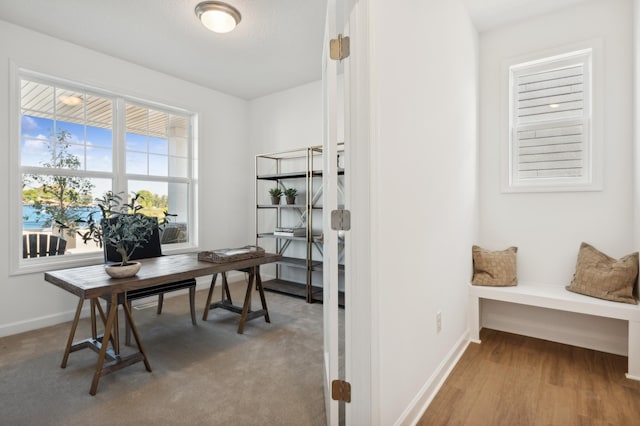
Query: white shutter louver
x=551, y=152
x=550, y=95
x=550, y=121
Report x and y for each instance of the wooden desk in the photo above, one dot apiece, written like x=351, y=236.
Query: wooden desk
x=92, y=282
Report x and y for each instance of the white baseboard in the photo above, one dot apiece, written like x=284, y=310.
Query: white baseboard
x=40, y=322
x=421, y=401
x=631, y=377
x=67, y=316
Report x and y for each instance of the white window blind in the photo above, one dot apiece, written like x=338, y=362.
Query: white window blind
x=550, y=118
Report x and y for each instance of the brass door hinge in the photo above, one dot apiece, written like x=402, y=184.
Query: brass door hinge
x=341, y=391
x=340, y=220
x=339, y=48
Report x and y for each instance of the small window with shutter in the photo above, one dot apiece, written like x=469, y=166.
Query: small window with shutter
x=550, y=123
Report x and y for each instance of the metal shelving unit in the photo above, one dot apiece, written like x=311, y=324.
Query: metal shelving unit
x=301, y=264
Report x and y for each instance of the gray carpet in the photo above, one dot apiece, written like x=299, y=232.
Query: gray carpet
x=204, y=375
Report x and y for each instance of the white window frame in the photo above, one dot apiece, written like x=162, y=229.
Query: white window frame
x=17, y=264
x=589, y=54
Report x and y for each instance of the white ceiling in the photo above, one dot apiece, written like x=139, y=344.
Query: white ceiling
x=278, y=44
x=490, y=14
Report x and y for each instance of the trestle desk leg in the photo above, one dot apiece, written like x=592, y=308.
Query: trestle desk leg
x=261, y=291
x=136, y=336
x=205, y=314
x=246, y=307
x=225, y=286
x=113, y=312
x=72, y=333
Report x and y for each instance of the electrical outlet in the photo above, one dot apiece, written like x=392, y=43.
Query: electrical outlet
x=438, y=322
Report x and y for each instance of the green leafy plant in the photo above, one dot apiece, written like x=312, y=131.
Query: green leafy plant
x=275, y=192
x=290, y=192
x=122, y=225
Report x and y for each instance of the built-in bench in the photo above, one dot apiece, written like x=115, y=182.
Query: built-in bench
x=557, y=297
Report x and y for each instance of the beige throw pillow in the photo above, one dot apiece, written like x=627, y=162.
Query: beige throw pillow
x=601, y=276
x=494, y=268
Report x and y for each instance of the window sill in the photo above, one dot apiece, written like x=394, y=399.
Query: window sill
x=551, y=188
x=35, y=266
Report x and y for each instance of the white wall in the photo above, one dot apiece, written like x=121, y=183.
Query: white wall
x=548, y=227
x=286, y=120
x=424, y=198
x=27, y=301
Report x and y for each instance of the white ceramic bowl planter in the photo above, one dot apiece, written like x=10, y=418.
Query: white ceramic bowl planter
x=116, y=270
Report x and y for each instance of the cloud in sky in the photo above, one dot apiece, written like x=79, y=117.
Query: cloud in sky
x=33, y=152
x=36, y=146
x=29, y=124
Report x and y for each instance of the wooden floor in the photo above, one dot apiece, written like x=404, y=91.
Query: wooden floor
x=514, y=380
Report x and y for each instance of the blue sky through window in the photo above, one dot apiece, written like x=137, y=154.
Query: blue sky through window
x=89, y=143
x=37, y=131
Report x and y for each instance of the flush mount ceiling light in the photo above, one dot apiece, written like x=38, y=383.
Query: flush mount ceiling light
x=70, y=100
x=217, y=16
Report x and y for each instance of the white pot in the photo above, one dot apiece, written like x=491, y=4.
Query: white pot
x=116, y=270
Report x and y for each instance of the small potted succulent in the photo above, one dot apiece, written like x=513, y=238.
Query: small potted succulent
x=290, y=193
x=123, y=227
x=275, y=193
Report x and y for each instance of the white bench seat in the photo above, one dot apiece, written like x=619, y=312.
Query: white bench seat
x=559, y=298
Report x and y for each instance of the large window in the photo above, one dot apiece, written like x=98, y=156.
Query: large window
x=77, y=143
x=550, y=123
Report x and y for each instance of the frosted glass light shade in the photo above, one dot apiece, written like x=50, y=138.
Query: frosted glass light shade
x=217, y=16
x=70, y=100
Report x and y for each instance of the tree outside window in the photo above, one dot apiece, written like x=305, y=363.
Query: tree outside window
x=58, y=198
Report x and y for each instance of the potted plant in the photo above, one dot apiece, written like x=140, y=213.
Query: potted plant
x=121, y=226
x=275, y=193
x=290, y=193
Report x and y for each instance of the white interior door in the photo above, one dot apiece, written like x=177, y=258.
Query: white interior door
x=347, y=119
x=330, y=203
